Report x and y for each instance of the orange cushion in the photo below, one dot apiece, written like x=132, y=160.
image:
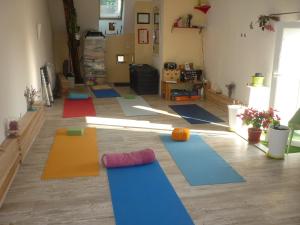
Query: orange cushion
x=181, y=134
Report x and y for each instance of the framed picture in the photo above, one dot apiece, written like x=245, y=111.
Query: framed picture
x=156, y=18
x=143, y=18
x=111, y=26
x=143, y=36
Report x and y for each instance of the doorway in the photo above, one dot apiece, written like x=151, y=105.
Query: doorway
x=285, y=88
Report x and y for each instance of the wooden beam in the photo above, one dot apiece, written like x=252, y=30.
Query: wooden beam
x=73, y=44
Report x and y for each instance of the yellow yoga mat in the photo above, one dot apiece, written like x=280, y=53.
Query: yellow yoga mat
x=73, y=156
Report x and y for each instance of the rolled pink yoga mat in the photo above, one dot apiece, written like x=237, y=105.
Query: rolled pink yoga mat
x=141, y=157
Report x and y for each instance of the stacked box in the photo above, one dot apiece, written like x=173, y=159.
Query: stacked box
x=93, y=57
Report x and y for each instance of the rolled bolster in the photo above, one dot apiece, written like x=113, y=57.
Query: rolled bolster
x=114, y=160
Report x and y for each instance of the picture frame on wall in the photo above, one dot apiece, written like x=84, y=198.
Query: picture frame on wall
x=143, y=36
x=143, y=18
x=111, y=26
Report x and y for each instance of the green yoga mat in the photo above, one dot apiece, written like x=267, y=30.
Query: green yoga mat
x=136, y=106
x=293, y=149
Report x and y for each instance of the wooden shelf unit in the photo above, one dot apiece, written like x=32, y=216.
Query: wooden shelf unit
x=167, y=86
x=13, y=150
x=30, y=126
x=10, y=160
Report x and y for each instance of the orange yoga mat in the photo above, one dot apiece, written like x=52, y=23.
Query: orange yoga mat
x=73, y=156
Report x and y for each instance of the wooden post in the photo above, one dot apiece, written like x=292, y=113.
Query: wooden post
x=71, y=23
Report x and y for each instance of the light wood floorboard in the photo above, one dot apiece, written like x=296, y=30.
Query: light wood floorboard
x=270, y=195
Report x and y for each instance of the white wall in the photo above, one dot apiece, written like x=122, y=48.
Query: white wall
x=182, y=45
x=22, y=54
x=129, y=15
x=88, y=14
x=230, y=57
x=87, y=18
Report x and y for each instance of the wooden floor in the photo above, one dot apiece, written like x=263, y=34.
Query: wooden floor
x=270, y=195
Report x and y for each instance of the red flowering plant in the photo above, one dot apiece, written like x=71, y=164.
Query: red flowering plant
x=260, y=119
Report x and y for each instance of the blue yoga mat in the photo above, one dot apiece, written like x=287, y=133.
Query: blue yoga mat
x=199, y=163
x=194, y=114
x=78, y=96
x=143, y=195
x=107, y=93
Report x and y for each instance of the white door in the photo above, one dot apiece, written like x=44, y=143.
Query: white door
x=285, y=88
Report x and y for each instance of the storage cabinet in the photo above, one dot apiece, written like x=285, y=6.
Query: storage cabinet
x=13, y=150
x=144, y=79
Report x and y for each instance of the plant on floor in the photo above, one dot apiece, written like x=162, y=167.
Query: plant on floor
x=259, y=120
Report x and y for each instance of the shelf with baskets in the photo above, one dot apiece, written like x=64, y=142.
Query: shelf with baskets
x=182, y=85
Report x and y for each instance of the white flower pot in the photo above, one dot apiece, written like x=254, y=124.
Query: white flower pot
x=235, y=122
x=277, y=142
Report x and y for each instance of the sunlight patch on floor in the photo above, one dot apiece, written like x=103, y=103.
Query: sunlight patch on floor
x=144, y=126
x=127, y=123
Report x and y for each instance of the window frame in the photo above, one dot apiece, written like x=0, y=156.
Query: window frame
x=112, y=18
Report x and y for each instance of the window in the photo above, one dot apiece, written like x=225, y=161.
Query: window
x=111, y=9
x=120, y=59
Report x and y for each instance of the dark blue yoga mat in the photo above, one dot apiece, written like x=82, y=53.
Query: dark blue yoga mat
x=143, y=195
x=199, y=163
x=194, y=114
x=107, y=93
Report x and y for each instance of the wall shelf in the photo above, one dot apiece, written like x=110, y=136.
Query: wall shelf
x=199, y=28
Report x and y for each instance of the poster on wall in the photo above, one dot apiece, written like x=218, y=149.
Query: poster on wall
x=143, y=18
x=143, y=36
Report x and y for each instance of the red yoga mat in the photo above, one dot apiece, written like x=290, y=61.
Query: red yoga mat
x=79, y=108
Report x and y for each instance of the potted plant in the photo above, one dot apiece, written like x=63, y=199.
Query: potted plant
x=30, y=94
x=12, y=127
x=259, y=120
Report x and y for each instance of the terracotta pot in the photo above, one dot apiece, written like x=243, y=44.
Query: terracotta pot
x=254, y=135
